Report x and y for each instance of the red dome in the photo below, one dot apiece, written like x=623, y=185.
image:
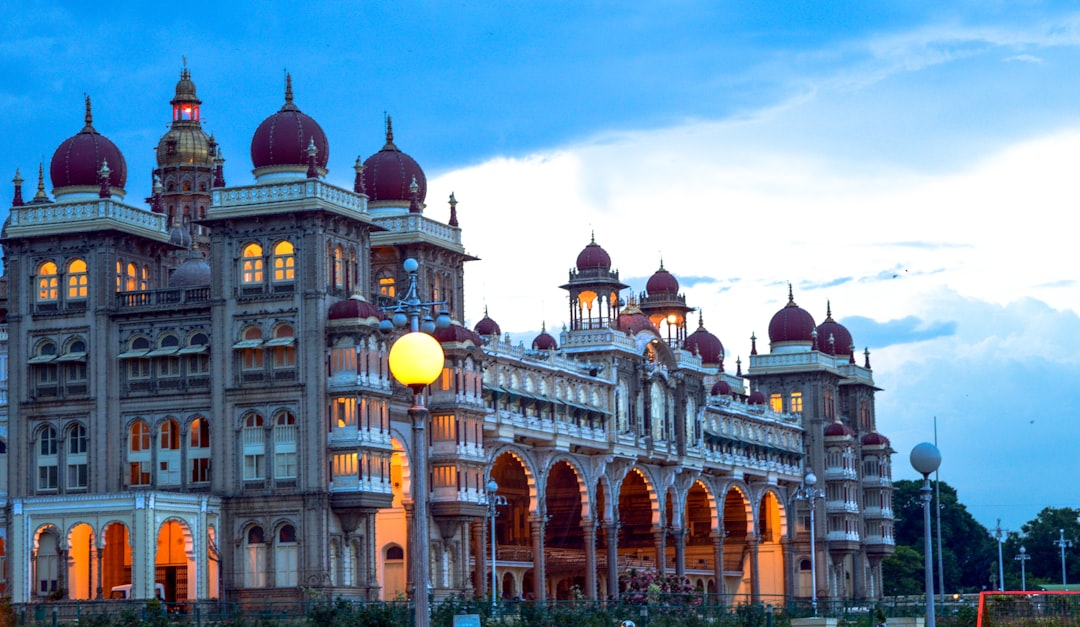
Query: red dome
x=593, y=257
x=839, y=430
x=662, y=282
x=283, y=138
x=875, y=439
x=841, y=338
x=487, y=326
x=389, y=173
x=78, y=159
x=757, y=397
x=544, y=341
x=721, y=388
x=791, y=324
x=457, y=334
x=354, y=308
x=633, y=321
x=706, y=345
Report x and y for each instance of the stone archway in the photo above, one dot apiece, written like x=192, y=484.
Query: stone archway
x=81, y=567
x=174, y=568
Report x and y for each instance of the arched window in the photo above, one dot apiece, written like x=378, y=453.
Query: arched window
x=144, y=278
x=386, y=284
x=284, y=262
x=255, y=562
x=339, y=268
x=77, y=446
x=197, y=351
x=119, y=275
x=283, y=346
x=285, y=571
x=48, y=283
x=199, y=450
x=251, y=269
x=77, y=279
x=139, y=453
x=253, y=436
x=284, y=445
x=47, y=564
x=131, y=278
x=251, y=349
x=44, y=369
x=168, y=460
x=48, y=460
x=168, y=362
x=138, y=366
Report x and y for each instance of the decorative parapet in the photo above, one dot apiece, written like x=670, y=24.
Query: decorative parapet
x=284, y=196
x=79, y=217
x=779, y=362
x=414, y=227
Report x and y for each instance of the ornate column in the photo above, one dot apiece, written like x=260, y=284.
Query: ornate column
x=539, y=571
x=371, y=550
x=718, y=564
x=755, y=573
x=98, y=551
x=477, y=527
x=680, y=551
x=588, y=525
x=345, y=555
x=660, y=539
x=858, y=575
x=612, y=533
x=410, y=538
x=466, y=551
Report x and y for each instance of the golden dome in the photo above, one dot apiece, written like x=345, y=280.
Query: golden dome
x=184, y=144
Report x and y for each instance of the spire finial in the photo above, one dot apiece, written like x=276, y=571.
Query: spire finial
x=453, y=210
x=312, y=150
x=358, y=181
x=103, y=178
x=866, y=352
x=389, y=130
x=753, y=343
x=701, y=319
x=89, y=115
x=661, y=263
x=288, y=88
x=414, y=197
x=790, y=295
x=592, y=236
x=40, y=195
x=738, y=366
x=17, y=199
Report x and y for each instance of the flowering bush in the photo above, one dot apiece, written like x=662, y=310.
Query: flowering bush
x=648, y=587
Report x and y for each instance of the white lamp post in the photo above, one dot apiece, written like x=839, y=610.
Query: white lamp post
x=1063, y=543
x=494, y=500
x=1001, y=561
x=809, y=493
x=1023, y=557
x=416, y=360
x=925, y=459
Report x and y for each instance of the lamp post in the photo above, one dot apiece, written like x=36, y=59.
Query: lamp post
x=1063, y=543
x=1023, y=557
x=416, y=360
x=494, y=500
x=809, y=493
x=925, y=459
x=1001, y=562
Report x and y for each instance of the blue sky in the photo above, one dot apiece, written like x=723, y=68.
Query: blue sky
x=913, y=163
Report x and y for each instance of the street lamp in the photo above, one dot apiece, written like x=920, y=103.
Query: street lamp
x=1063, y=543
x=925, y=459
x=494, y=500
x=1023, y=557
x=1001, y=563
x=416, y=360
x=807, y=492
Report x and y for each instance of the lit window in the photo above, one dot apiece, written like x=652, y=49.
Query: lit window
x=131, y=278
x=343, y=412
x=776, y=402
x=199, y=451
x=77, y=279
x=119, y=275
x=169, y=438
x=284, y=262
x=339, y=267
x=48, y=282
x=386, y=284
x=796, y=402
x=144, y=280
x=252, y=265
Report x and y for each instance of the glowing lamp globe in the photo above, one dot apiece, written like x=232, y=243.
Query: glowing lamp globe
x=925, y=458
x=416, y=360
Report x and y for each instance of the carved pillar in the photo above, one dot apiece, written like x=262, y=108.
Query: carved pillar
x=98, y=555
x=612, y=533
x=479, y=580
x=371, y=550
x=466, y=552
x=680, y=551
x=718, y=565
x=345, y=554
x=755, y=573
x=539, y=571
x=588, y=525
x=858, y=575
x=62, y=568
x=660, y=539
x=410, y=559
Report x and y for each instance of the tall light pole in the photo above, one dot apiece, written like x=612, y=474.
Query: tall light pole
x=416, y=360
x=925, y=459
x=1023, y=557
x=1063, y=543
x=809, y=493
x=494, y=500
x=1001, y=563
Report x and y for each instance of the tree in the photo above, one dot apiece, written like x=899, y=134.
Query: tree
x=1040, y=537
x=903, y=572
x=968, y=550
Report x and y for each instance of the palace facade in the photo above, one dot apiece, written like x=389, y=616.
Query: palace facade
x=196, y=399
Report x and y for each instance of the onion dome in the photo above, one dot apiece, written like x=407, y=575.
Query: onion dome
x=791, y=324
x=355, y=308
x=77, y=161
x=544, y=341
x=388, y=174
x=185, y=142
x=280, y=144
x=833, y=337
x=487, y=326
x=875, y=439
x=194, y=272
x=662, y=282
x=633, y=321
x=593, y=256
x=457, y=334
x=839, y=430
x=179, y=236
x=722, y=388
x=757, y=397
x=705, y=345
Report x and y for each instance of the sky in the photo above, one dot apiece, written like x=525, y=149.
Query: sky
x=910, y=163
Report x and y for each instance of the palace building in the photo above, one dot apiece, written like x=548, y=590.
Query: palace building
x=196, y=399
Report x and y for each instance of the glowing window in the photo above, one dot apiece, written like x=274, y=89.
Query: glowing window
x=339, y=267
x=169, y=437
x=386, y=285
x=139, y=439
x=48, y=282
x=776, y=402
x=77, y=279
x=131, y=277
x=252, y=265
x=796, y=402
x=284, y=262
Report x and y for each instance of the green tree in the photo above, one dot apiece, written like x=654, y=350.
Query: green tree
x=903, y=571
x=1040, y=537
x=969, y=552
